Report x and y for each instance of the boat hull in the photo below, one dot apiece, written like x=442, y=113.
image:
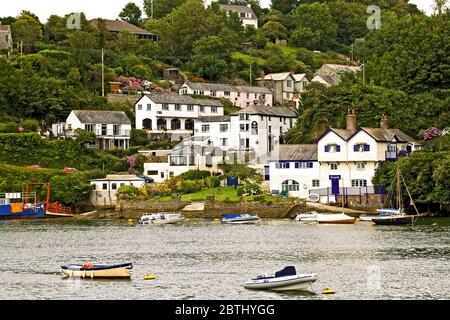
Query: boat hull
x=236, y=221
x=161, y=218
x=288, y=283
x=394, y=220
x=104, y=272
x=335, y=219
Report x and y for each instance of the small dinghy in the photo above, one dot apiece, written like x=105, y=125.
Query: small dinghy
x=103, y=271
x=161, y=218
x=340, y=218
x=284, y=280
x=309, y=216
x=239, y=218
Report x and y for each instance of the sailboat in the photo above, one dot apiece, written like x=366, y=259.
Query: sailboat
x=397, y=216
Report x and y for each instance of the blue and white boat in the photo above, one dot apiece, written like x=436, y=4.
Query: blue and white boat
x=19, y=205
x=239, y=218
x=284, y=280
x=104, y=271
x=385, y=212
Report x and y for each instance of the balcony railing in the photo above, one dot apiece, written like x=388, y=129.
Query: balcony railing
x=113, y=133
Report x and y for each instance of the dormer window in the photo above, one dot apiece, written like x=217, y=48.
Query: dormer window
x=332, y=148
x=361, y=147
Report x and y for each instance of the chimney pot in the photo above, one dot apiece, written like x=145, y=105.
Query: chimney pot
x=384, y=123
x=350, y=121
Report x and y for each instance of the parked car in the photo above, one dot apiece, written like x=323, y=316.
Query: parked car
x=70, y=170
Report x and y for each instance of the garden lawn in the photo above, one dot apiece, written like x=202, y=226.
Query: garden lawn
x=220, y=193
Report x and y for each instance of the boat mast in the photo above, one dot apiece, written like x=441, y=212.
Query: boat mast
x=399, y=191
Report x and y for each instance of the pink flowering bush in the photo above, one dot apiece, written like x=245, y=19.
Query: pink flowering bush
x=131, y=162
x=130, y=84
x=430, y=133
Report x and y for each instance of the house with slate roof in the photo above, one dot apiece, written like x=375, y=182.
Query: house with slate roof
x=246, y=13
x=240, y=96
x=116, y=26
x=343, y=159
x=330, y=74
x=112, y=129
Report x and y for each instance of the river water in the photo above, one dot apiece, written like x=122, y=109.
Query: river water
x=202, y=259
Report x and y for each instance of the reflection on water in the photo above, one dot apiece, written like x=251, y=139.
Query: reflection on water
x=201, y=259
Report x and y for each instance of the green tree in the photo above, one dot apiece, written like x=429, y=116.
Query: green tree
x=131, y=14
x=186, y=24
x=315, y=28
x=55, y=29
x=284, y=6
x=26, y=29
x=161, y=8
x=210, y=59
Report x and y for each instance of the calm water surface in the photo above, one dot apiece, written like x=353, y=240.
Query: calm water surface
x=203, y=259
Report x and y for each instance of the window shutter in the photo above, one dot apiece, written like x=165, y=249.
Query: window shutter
x=338, y=148
x=356, y=148
x=297, y=165
x=366, y=147
x=327, y=148
x=287, y=165
x=310, y=164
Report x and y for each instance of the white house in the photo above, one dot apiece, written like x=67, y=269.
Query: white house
x=296, y=171
x=173, y=113
x=240, y=96
x=104, y=190
x=347, y=159
x=286, y=86
x=330, y=74
x=251, y=135
x=246, y=13
x=190, y=154
x=112, y=128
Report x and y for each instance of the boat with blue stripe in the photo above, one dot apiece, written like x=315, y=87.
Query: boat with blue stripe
x=239, y=218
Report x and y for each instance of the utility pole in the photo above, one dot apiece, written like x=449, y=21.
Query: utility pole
x=152, y=9
x=103, y=72
x=364, y=73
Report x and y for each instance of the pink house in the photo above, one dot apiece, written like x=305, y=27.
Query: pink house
x=240, y=96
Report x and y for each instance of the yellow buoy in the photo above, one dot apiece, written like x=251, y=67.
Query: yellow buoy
x=149, y=277
x=435, y=225
x=327, y=291
x=130, y=221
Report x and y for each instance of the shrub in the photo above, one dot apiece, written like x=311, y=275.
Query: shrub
x=259, y=198
x=128, y=192
x=30, y=125
x=8, y=127
x=195, y=174
x=212, y=182
x=139, y=137
x=190, y=186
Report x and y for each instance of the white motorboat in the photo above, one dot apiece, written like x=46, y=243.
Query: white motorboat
x=161, y=218
x=87, y=270
x=284, y=280
x=309, y=216
x=340, y=218
x=239, y=218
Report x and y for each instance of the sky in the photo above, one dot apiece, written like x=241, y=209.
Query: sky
x=108, y=9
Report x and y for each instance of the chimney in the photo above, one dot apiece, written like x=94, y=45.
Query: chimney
x=350, y=121
x=384, y=123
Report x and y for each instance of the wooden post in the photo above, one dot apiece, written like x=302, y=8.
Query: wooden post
x=47, y=202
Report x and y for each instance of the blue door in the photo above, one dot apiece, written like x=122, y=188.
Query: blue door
x=335, y=186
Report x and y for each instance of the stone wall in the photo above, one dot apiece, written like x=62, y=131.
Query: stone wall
x=213, y=209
